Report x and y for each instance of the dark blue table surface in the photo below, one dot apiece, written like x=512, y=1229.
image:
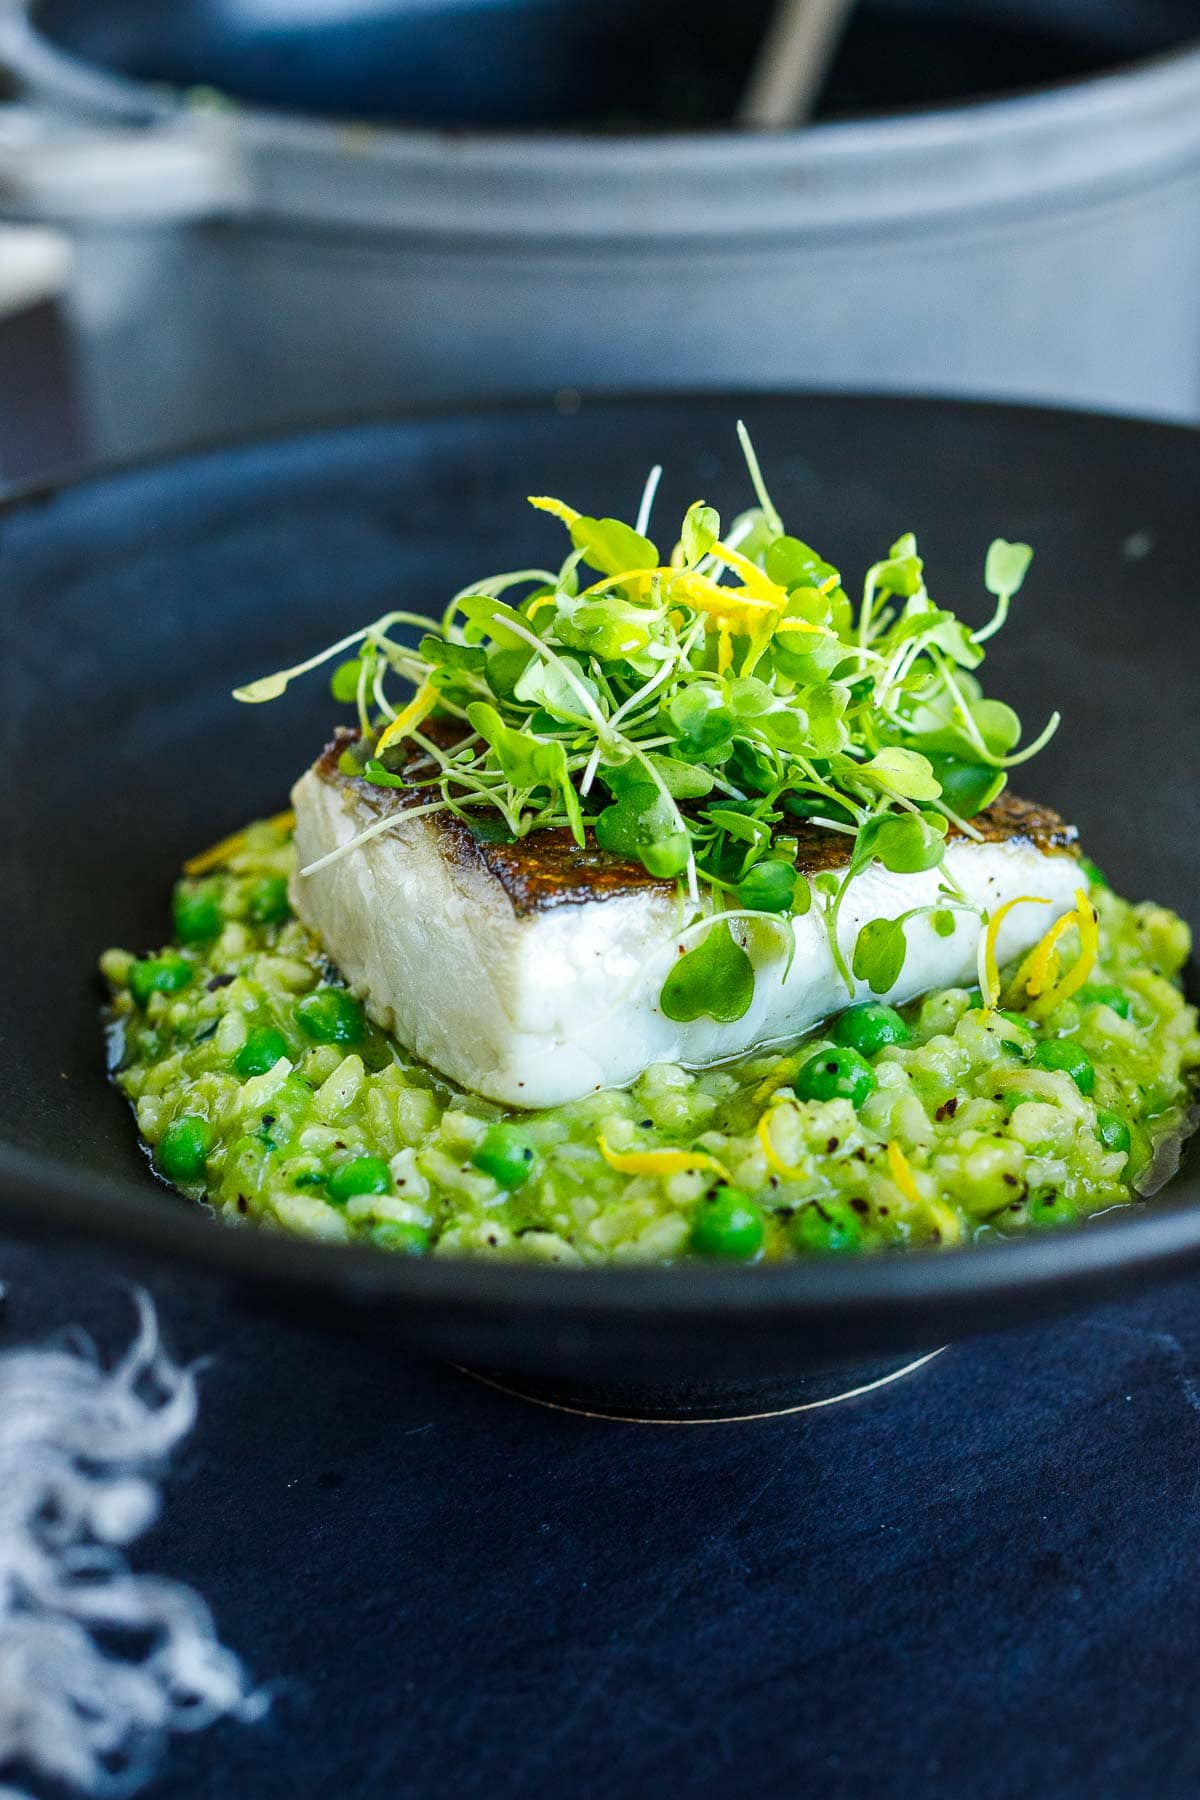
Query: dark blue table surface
x=983, y=1581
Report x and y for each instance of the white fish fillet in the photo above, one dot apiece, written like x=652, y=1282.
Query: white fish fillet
x=536, y=1005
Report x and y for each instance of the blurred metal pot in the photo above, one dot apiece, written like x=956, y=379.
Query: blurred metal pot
x=242, y=267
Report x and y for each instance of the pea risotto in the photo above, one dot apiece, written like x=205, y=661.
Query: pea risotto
x=680, y=907
x=260, y=1086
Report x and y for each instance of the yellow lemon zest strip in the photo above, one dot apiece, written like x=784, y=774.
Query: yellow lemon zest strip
x=216, y=854
x=762, y=1131
x=785, y=1073
x=948, y=1222
x=1040, y=968
x=901, y=1173
x=745, y=612
x=756, y=580
x=542, y=600
x=545, y=503
x=418, y=708
x=660, y=1162
x=1089, y=948
x=989, y=973
x=724, y=648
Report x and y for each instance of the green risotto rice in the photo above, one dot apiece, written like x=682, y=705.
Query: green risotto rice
x=261, y=1088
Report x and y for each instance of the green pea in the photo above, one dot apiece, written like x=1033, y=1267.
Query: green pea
x=401, y=1239
x=196, y=914
x=837, y=1074
x=261, y=1051
x=826, y=1229
x=728, y=1226
x=1111, y=996
x=183, y=1148
x=1112, y=1130
x=1071, y=1058
x=770, y=886
x=361, y=1175
x=330, y=1016
x=267, y=902
x=870, y=1028
x=343, y=683
x=164, y=974
x=506, y=1154
x=1050, y=1209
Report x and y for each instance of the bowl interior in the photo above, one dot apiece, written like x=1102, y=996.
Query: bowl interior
x=134, y=601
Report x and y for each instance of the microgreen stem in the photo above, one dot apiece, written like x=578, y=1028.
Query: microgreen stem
x=648, y=493
x=774, y=522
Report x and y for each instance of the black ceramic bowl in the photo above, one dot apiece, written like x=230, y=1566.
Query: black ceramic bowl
x=133, y=601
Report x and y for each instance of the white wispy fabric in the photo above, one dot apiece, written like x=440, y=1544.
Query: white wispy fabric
x=97, y=1664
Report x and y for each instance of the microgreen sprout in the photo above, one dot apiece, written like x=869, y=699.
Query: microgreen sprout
x=694, y=711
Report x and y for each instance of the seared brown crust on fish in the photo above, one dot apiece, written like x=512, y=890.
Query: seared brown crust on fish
x=548, y=868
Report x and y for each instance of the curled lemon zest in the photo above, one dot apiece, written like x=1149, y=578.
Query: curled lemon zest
x=790, y=1172
x=724, y=648
x=989, y=972
x=1040, y=968
x=901, y=1172
x=660, y=1162
x=418, y=708
x=784, y=1074
x=745, y=612
x=1087, y=918
x=216, y=854
x=535, y=607
x=755, y=580
x=946, y=1219
x=754, y=610
x=948, y=1224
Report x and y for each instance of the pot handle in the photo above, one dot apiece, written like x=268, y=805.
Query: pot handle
x=85, y=145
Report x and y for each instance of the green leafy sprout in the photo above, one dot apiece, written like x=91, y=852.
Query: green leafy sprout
x=693, y=711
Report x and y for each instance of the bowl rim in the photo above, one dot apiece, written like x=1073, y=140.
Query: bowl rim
x=912, y=1290
x=563, y=402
